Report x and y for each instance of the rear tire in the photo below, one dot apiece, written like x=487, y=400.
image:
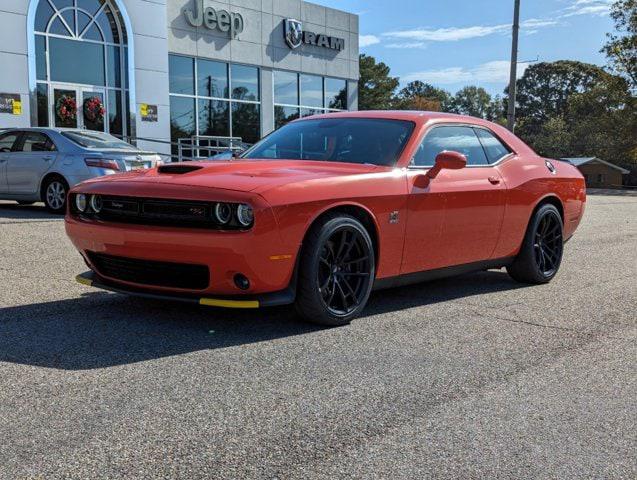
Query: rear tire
x=336, y=271
x=541, y=252
x=55, y=192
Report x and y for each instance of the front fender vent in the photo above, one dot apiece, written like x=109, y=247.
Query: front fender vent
x=178, y=169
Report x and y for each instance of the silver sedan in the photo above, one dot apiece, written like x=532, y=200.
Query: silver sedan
x=42, y=164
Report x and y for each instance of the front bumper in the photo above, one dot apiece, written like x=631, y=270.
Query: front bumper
x=284, y=297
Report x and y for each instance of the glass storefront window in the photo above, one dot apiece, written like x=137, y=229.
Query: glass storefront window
x=212, y=79
x=246, y=121
x=214, y=118
x=42, y=96
x=182, y=120
x=64, y=67
x=70, y=49
x=335, y=93
x=114, y=66
x=283, y=115
x=115, y=112
x=317, y=95
x=225, y=102
x=182, y=75
x=245, y=82
x=286, y=87
x=311, y=91
x=40, y=57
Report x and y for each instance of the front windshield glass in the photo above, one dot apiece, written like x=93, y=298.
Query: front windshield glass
x=374, y=141
x=97, y=140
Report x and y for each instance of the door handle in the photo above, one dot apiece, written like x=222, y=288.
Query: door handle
x=494, y=180
x=47, y=158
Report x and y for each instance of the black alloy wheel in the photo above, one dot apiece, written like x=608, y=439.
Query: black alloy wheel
x=344, y=271
x=541, y=252
x=336, y=271
x=548, y=244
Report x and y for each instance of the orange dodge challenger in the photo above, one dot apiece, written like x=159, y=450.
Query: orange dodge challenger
x=325, y=209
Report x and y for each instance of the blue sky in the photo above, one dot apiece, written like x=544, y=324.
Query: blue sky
x=453, y=43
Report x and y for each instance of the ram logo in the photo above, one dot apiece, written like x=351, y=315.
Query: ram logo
x=293, y=33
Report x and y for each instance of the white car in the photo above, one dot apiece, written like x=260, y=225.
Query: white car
x=42, y=164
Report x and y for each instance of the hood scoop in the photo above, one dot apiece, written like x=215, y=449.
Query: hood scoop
x=178, y=169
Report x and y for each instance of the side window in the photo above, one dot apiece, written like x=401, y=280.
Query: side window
x=494, y=148
x=459, y=139
x=36, y=142
x=7, y=140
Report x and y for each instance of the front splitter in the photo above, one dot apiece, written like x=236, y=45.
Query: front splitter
x=283, y=297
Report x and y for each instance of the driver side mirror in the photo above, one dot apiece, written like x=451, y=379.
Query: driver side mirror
x=447, y=159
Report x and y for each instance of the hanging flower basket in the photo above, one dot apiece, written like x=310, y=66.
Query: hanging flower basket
x=94, y=109
x=66, y=108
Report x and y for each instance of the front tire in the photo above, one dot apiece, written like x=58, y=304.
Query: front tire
x=541, y=253
x=54, y=194
x=336, y=271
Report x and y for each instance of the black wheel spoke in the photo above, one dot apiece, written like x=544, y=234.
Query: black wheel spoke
x=344, y=270
x=548, y=244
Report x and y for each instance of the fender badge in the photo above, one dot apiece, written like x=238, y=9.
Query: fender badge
x=393, y=217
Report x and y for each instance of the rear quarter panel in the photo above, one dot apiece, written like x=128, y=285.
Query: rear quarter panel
x=529, y=182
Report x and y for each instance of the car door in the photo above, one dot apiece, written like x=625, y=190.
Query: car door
x=456, y=218
x=8, y=142
x=33, y=156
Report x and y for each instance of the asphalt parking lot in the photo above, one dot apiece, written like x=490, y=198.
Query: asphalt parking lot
x=470, y=377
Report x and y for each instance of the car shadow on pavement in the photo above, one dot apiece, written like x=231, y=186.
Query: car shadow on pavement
x=100, y=329
x=13, y=211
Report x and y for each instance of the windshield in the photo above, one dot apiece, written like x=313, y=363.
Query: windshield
x=375, y=141
x=97, y=140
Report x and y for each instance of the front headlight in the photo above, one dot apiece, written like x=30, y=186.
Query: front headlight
x=80, y=202
x=245, y=214
x=223, y=213
x=96, y=203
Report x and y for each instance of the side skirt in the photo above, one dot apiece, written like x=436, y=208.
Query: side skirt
x=427, y=275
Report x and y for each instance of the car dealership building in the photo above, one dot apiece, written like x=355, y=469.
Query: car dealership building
x=169, y=69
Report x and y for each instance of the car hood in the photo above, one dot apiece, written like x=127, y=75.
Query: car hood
x=239, y=175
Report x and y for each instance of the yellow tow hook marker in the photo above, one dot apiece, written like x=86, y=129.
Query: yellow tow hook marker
x=84, y=281
x=217, y=302
x=280, y=257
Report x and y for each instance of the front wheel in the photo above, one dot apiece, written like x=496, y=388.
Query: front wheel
x=541, y=253
x=336, y=271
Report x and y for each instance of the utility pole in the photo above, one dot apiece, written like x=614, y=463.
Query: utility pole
x=514, y=66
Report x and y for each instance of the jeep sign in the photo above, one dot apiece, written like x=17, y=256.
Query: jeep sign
x=295, y=36
x=212, y=19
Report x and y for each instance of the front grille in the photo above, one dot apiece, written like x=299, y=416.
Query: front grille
x=152, y=211
x=153, y=273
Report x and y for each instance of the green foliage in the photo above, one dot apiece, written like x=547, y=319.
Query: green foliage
x=621, y=48
x=544, y=90
x=417, y=95
x=375, y=86
x=595, y=116
x=471, y=100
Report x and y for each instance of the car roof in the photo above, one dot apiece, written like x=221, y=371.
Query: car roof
x=414, y=115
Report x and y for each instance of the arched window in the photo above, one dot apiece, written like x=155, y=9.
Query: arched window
x=81, y=52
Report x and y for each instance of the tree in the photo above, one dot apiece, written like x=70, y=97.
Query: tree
x=375, y=86
x=545, y=88
x=471, y=100
x=621, y=49
x=419, y=95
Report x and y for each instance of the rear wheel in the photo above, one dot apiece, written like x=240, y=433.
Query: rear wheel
x=541, y=253
x=336, y=271
x=54, y=193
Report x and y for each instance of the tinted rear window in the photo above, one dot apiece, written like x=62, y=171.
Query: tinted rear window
x=97, y=140
x=353, y=140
